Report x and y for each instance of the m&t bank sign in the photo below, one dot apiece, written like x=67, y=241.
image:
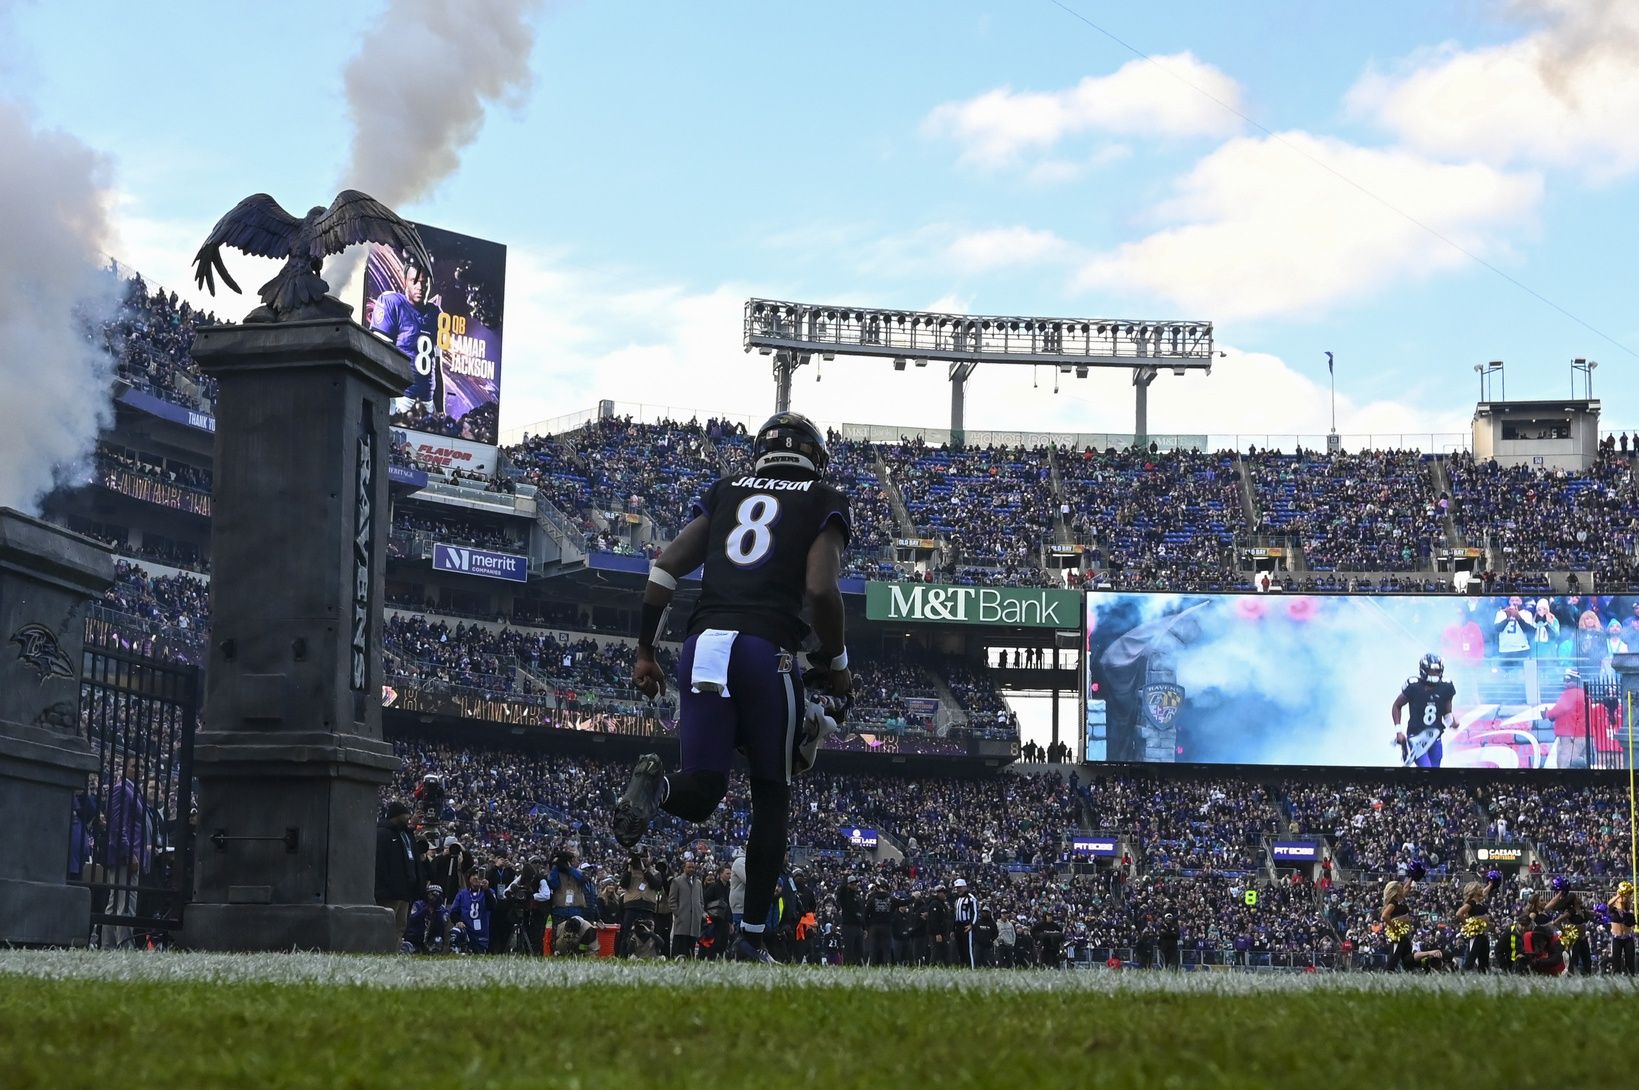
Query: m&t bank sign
x=932, y=603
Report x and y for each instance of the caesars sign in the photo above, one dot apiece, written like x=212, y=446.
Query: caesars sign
x=1019, y=607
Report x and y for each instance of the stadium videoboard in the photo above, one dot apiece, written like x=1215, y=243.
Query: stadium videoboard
x=447, y=321
x=1310, y=680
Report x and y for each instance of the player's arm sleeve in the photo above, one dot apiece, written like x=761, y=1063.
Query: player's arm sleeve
x=839, y=517
x=824, y=566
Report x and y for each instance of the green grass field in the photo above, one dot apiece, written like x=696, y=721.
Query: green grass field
x=261, y=1021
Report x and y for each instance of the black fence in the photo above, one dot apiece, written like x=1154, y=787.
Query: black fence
x=1608, y=726
x=133, y=825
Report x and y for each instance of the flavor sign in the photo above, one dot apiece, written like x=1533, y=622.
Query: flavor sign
x=933, y=603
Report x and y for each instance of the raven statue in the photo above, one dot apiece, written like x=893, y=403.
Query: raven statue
x=257, y=225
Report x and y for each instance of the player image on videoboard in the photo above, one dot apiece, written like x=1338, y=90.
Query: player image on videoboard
x=447, y=321
x=1368, y=680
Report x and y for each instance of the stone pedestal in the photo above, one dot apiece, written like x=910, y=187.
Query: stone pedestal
x=290, y=757
x=47, y=575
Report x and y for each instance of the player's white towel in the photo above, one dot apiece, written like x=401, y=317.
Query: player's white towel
x=711, y=651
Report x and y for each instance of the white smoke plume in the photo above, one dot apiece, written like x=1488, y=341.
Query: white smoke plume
x=417, y=91
x=54, y=225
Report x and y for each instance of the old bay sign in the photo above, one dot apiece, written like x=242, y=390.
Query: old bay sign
x=933, y=603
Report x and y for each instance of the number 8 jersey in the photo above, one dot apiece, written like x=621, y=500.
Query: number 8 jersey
x=756, y=569
x=1426, y=702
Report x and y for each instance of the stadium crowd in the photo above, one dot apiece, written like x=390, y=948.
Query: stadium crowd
x=1002, y=837
x=1372, y=511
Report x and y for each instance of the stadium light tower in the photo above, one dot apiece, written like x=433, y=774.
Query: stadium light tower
x=793, y=333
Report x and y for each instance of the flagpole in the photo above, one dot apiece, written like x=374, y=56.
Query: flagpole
x=1331, y=376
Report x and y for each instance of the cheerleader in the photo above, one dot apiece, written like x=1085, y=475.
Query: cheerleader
x=1622, y=924
x=1573, y=932
x=1397, y=925
x=1474, y=924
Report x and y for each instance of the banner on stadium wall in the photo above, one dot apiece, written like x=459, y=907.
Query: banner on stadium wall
x=1066, y=550
x=447, y=321
x=916, y=543
x=465, y=560
x=151, y=490
x=1308, y=680
x=860, y=838
x=922, y=707
x=933, y=603
x=1296, y=851
x=449, y=455
x=1097, y=847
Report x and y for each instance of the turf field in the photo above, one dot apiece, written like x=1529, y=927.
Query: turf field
x=262, y=1021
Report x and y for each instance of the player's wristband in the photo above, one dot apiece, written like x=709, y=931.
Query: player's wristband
x=833, y=663
x=661, y=577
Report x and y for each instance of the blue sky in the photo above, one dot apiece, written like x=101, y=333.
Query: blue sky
x=667, y=161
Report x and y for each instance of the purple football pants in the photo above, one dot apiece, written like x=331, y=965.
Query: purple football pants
x=759, y=717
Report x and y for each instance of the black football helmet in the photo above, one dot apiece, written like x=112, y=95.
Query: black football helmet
x=790, y=440
x=1431, y=668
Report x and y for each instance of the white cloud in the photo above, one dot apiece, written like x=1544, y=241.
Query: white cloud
x=1256, y=229
x=1565, y=95
x=1003, y=247
x=1058, y=171
x=1142, y=98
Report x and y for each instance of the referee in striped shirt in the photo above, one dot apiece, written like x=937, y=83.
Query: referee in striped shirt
x=965, y=913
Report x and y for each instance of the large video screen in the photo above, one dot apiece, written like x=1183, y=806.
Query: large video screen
x=1312, y=680
x=447, y=320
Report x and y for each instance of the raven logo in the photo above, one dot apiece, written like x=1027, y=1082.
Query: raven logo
x=1161, y=702
x=39, y=650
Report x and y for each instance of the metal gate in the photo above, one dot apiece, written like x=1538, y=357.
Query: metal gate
x=1608, y=723
x=133, y=825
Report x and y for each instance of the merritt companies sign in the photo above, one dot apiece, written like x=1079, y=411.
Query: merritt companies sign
x=1020, y=607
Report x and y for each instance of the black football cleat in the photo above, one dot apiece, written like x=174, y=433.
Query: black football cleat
x=641, y=801
x=746, y=950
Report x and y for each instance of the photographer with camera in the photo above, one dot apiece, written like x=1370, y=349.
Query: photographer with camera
x=574, y=935
x=569, y=895
x=640, y=895
x=527, y=899
x=449, y=868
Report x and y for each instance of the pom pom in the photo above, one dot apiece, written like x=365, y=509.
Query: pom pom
x=1559, y=884
x=1416, y=871
x=1494, y=877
